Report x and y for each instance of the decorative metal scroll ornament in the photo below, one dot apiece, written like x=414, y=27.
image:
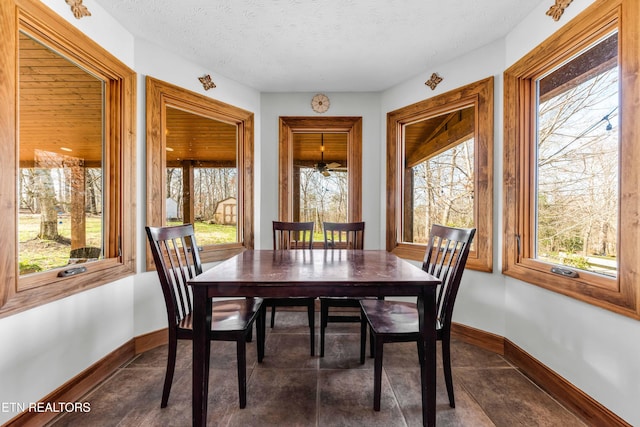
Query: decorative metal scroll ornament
x=557, y=9
x=79, y=10
x=206, y=81
x=433, y=81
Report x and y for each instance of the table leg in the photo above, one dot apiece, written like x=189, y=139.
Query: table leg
x=427, y=322
x=201, y=353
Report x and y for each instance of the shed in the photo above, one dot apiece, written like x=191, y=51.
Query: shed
x=172, y=208
x=226, y=212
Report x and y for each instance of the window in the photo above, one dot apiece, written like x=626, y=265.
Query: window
x=439, y=171
x=321, y=178
x=60, y=216
x=68, y=143
x=570, y=155
x=200, y=168
x=202, y=176
x=439, y=174
x=320, y=170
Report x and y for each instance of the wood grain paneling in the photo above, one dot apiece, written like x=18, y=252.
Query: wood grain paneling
x=61, y=106
x=307, y=148
x=430, y=137
x=200, y=139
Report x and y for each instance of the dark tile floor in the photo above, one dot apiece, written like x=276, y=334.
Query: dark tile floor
x=290, y=388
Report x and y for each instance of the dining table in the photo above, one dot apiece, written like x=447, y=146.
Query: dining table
x=313, y=273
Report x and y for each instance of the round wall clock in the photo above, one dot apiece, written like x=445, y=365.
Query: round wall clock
x=320, y=103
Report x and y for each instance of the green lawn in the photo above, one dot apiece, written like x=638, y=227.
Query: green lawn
x=212, y=234
x=41, y=255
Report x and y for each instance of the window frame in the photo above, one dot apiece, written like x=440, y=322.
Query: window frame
x=480, y=95
x=22, y=293
x=159, y=95
x=621, y=294
x=352, y=126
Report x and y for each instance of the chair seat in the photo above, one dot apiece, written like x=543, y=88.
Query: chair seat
x=347, y=299
x=286, y=298
x=229, y=315
x=391, y=317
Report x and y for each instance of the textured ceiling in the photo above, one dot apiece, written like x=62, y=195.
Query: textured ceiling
x=319, y=45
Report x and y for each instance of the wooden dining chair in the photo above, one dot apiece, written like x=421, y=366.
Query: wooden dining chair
x=177, y=259
x=340, y=235
x=292, y=236
x=395, y=321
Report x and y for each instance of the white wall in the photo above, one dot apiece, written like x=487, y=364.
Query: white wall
x=593, y=348
x=274, y=105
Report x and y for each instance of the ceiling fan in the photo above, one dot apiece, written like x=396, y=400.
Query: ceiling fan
x=321, y=166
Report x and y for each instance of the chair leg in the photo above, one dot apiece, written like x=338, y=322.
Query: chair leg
x=311, y=309
x=171, y=365
x=273, y=316
x=250, y=334
x=371, y=349
x=242, y=370
x=377, y=374
x=363, y=336
x=260, y=333
x=324, y=320
x=446, y=361
x=420, y=352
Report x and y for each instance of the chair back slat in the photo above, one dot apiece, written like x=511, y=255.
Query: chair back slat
x=292, y=235
x=445, y=258
x=177, y=259
x=343, y=235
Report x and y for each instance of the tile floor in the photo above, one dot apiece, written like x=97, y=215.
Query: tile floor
x=290, y=388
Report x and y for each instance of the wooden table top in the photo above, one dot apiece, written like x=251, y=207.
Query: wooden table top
x=315, y=272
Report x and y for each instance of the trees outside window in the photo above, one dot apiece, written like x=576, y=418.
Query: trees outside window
x=441, y=184
x=61, y=141
x=200, y=168
x=320, y=170
x=577, y=160
x=440, y=171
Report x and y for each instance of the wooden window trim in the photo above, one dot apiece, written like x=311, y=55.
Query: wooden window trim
x=19, y=294
x=290, y=125
x=160, y=94
x=621, y=295
x=480, y=95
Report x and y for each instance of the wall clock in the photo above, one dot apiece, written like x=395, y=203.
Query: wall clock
x=320, y=103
